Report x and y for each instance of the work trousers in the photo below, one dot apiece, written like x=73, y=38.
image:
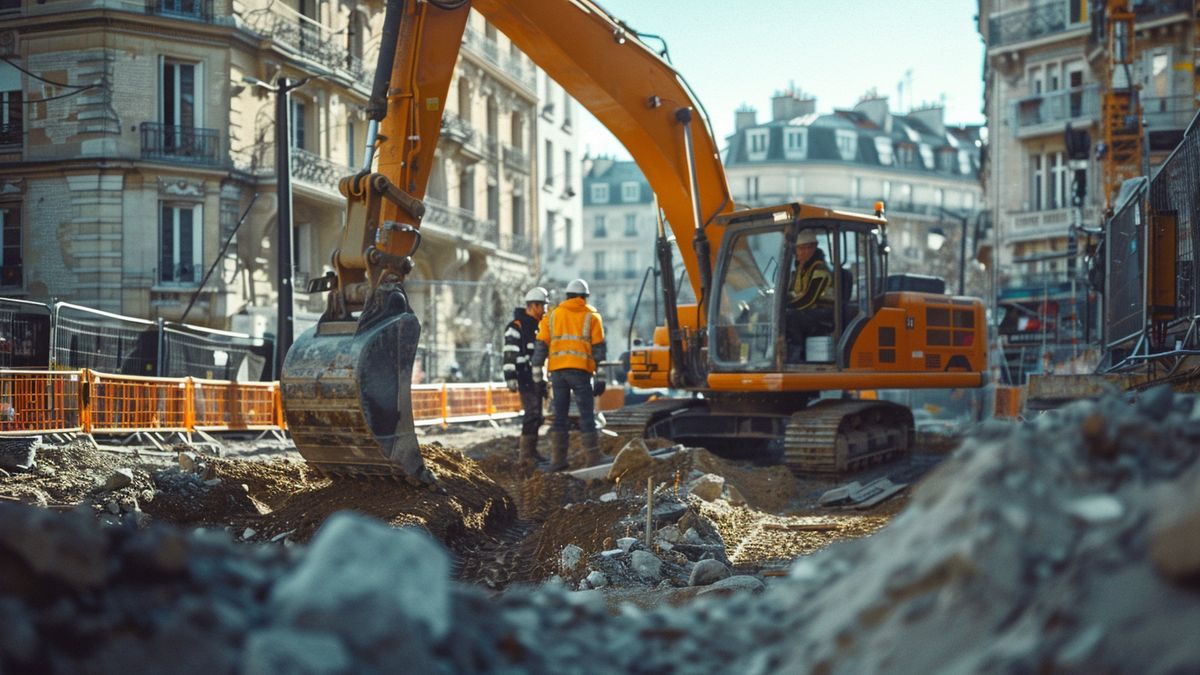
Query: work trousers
x=531, y=402
x=565, y=383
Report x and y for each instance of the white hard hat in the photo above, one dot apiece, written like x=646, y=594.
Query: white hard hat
x=806, y=237
x=537, y=294
x=578, y=286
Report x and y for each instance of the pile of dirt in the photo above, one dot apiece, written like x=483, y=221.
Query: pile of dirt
x=1064, y=545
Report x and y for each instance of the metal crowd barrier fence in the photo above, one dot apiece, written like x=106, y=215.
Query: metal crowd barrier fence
x=39, y=401
x=87, y=401
x=449, y=403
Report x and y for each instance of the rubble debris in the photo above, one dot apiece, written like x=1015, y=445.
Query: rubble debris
x=857, y=495
x=1010, y=557
x=19, y=453
x=646, y=565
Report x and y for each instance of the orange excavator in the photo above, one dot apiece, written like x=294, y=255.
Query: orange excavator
x=757, y=382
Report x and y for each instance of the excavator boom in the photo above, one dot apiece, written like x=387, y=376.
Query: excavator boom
x=347, y=382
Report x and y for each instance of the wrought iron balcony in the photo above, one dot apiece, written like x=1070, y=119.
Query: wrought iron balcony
x=515, y=159
x=308, y=38
x=194, y=10
x=516, y=243
x=1046, y=223
x=10, y=134
x=310, y=168
x=1028, y=24
x=1058, y=107
x=1148, y=11
x=181, y=144
x=451, y=219
x=509, y=63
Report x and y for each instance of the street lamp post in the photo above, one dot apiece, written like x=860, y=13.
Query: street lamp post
x=283, y=212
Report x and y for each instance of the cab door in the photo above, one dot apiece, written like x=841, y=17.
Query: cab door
x=744, y=334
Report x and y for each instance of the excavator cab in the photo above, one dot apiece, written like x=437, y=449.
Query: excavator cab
x=760, y=321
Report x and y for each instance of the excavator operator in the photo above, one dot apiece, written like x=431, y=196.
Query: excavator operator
x=572, y=336
x=810, y=296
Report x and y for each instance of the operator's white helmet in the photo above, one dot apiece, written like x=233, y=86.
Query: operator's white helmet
x=537, y=294
x=578, y=286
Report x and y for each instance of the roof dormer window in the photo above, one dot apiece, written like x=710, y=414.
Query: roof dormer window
x=756, y=144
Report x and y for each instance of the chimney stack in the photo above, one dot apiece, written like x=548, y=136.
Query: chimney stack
x=745, y=116
x=792, y=103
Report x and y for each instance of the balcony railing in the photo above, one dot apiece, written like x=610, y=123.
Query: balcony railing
x=1028, y=24
x=308, y=38
x=316, y=170
x=10, y=134
x=515, y=159
x=1148, y=11
x=1057, y=107
x=194, y=10
x=181, y=144
x=1046, y=223
x=509, y=63
x=459, y=222
x=515, y=243
x=1168, y=112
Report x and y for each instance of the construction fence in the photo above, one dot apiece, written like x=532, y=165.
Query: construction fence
x=93, y=402
x=35, y=335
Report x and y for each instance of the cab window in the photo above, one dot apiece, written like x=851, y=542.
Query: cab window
x=744, y=324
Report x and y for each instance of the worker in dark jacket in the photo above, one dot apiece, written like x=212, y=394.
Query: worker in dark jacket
x=570, y=342
x=519, y=339
x=810, y=296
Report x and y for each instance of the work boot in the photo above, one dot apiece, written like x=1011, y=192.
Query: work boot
x=591, y=448
x=558, y=452
x=529, y=453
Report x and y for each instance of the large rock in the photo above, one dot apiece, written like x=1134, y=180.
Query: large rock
x=632, y=457
x=742, y=583
x=120, y=478
x=708, y=572
x=569, y=558
x=281, y=650
x=1175, y=536
x=708, y=487
x=369, y=580
x=646, y=565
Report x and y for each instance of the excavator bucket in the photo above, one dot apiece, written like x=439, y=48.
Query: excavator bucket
x=347, y=389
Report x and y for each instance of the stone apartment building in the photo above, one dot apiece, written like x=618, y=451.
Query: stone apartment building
x=1044, y=70
x=618, y=247
x=134, y=143
x=926, y=172
x=561, y=203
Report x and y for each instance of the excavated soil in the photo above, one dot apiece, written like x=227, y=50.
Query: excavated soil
x=504, y=524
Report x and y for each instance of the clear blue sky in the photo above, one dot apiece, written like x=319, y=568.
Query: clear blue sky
x=743, y=51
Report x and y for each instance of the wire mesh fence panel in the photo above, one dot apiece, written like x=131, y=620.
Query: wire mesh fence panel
x=190, y=351
x=24, y=334
x=1175, y=189
x=1126, y=302
x=88, y=338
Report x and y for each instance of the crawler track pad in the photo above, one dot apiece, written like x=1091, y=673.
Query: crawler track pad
x=347, y=398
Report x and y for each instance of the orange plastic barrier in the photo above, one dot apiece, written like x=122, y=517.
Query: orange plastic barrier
x=463, y=402
x=127, y=404
x=1009, y=401
x=224, y=405
x=41, y=401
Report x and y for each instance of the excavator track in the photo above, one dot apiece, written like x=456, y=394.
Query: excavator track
x=835, y=436
x=635, y=419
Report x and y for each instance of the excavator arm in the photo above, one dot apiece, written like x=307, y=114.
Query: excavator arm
x=347, y=382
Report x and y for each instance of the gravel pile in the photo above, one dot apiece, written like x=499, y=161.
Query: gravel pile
x=1064, y=545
